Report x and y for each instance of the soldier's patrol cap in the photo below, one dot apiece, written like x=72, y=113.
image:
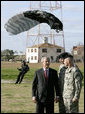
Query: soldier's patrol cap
x=65, y=55
x=69, y=55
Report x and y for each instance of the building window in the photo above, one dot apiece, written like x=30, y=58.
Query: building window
x=58, y=50
x=35, y=50
x=51, y=58
x=31, y=50
x=31, y=57
x=28, y=50
x=44, y=50
x=35, y=57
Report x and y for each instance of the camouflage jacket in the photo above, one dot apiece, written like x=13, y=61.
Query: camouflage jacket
x=72, y=83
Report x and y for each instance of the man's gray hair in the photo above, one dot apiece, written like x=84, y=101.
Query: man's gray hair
x=45, y=58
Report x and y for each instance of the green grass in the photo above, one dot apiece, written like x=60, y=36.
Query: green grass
x=18, y=99
x=11, y=73
x=8, y=73
x=9, y=70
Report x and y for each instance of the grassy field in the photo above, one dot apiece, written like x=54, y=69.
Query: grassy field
x=18, y=98
x=9, y=70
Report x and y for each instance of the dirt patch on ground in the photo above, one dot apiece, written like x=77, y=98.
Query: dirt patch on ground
x=11, y=81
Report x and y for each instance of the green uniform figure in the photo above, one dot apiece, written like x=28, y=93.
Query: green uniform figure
x=72, y=87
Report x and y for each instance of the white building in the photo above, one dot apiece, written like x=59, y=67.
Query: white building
x=35, y=53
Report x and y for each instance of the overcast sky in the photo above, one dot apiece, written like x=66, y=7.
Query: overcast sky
x=73, y=22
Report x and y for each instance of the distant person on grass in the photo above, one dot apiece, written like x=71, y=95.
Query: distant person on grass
x=24, y=69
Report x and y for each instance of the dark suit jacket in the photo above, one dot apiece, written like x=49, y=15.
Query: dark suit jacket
x=44, y=90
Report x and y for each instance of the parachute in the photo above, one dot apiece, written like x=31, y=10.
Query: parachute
x=29, y=19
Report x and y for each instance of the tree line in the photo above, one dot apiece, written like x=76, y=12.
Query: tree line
x=10, y=55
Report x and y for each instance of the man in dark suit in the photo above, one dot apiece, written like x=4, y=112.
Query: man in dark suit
x=43, y=87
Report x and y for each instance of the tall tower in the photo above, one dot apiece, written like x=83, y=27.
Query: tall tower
x=36, y=35
x=42, y=33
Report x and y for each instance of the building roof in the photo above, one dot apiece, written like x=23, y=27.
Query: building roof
x=46, y=45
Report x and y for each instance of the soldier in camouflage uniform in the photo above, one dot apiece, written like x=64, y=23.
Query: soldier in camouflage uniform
x=72, y=86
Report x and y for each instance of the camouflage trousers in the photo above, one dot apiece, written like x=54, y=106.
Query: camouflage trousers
x=61, y=105
x=71, y=107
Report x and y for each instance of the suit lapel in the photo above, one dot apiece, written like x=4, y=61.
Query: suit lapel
x=50, y=74
x=42, y=74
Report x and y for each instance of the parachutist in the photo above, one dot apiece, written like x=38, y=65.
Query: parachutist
x=24, y=69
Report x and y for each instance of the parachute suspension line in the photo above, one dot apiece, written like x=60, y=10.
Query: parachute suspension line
x=62, y=22
x=50, y=5
x=30, y=5
x=51, y=37
x=40, y=4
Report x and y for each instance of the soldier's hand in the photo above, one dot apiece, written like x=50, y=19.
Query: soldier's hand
x=34, y=99
x=74, y=100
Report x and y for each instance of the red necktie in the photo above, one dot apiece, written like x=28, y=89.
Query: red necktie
x=46, y=74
